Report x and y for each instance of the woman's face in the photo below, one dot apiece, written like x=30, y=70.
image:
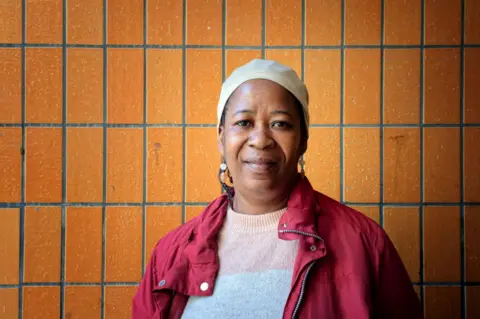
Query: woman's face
x=261, y=138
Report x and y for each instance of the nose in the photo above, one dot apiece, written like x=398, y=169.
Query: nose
x=260, y=137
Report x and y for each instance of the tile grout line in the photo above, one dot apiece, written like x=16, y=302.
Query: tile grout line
x=342, y=101
x=382, y=99
x=463, y=279
x=264, y=28
x=184, y=112
x=145, y=138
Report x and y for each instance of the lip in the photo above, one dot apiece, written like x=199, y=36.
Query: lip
x=261, y=165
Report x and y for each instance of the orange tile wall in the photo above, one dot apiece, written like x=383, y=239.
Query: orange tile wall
x=107, y=134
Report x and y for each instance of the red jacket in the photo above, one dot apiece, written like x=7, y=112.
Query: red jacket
x=346, y=266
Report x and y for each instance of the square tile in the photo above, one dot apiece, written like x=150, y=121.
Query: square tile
x=323, y=22
x=44, y=21
x=10, y=164
x=322, y=161
x=11, y=22
x=204, y=22
x=123, y=244
x=402, y=225
x=372, y=212
x=472, y=22
x=43, y=164
x=164, y=86
x=125, y=86
x=322, y=78
x=192, y=212
x=244, y=22
x=125, y=21
x=203, y=162
x=83, y=250
x=42, y=244
x=471, y=80
x=8, y=303
x=362, y=86
x=472, y=250
x=438, y=221
x=443, y=21
x=164, y=22
x=402, y=22
x=204, y=81
x=283, y=22
x=473, y=306
x=83, y=302
x=441, y=164
x=43, y=85
x=84, y=85
x=165, y=164
x=41, y=302
x=9, y=246
x=84, y=173
x=237, y=58
x=442, y=86
x=401, y=167
x=362, y=165
x=442, y=302
x=85, y=21
x=124, y=165
x=118, y=301
x=362, y=22
x=289, y=57
x=11, y=85
x=401, y=90
x=471, y=162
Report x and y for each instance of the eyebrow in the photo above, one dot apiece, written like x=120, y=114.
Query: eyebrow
x=281, y=112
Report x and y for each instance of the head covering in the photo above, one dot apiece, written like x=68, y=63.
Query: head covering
x=268, y=70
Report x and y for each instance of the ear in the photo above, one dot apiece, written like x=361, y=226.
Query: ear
x=303, y=147
x=220, y=139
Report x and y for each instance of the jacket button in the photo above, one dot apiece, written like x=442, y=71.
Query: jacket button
x=162, y=283
x=313, y=248
x=204, y=286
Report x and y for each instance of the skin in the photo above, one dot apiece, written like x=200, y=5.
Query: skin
x=261, y=142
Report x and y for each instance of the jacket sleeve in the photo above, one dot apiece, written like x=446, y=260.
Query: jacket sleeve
x=395, y=296
x=144, y=306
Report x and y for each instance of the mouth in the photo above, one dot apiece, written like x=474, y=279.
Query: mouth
x=261, y=165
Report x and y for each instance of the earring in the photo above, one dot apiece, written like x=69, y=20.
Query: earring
x=224, y=173
x=301, y=163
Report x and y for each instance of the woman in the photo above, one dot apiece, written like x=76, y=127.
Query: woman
x=271, y=246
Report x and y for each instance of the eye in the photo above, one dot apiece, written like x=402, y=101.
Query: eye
x=243, y=123
x=281, y=124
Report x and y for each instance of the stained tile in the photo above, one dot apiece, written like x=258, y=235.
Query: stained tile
x=362, y=165
x=402, y=22
x=362, y=22
x=442, y=164
x=10, y=85
x=472, y=22
x=442, y=86
x=85, y=21
x=9, y=246
x=323, y=22
x=125, y=86
x=402, y=225
x=289, y=57
x=84, y=85
x=160, y=221
x=442, y=302
x=83, y=302
x=443, y=21
x=44, y=21
x=124, y=165
x=237, y=58
x=322, y=161
x=471, y=164
x=84, y=173
x=283, y=22
x=41, y=302
x=164, y=86
x=372, y=212
x=42, y=244
x=44, y=85
x=118, y=301
x=125, y=21
x=43, y=164
x=203, y=185
x=164, y=22
x=472, y=237
x=8, y=303
x=11, y=22
x=193, y=211
x=204, y=81
x=204, y=22
x=472, y=78
x=10, y=164
x=123, y=244
x=362, y=86
x=165, y=165
x=439, y=221
x=401, y=179
x=244, y=22
x=322, y=78
x=473, y=306
x=402, y=86
x=83, y=244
